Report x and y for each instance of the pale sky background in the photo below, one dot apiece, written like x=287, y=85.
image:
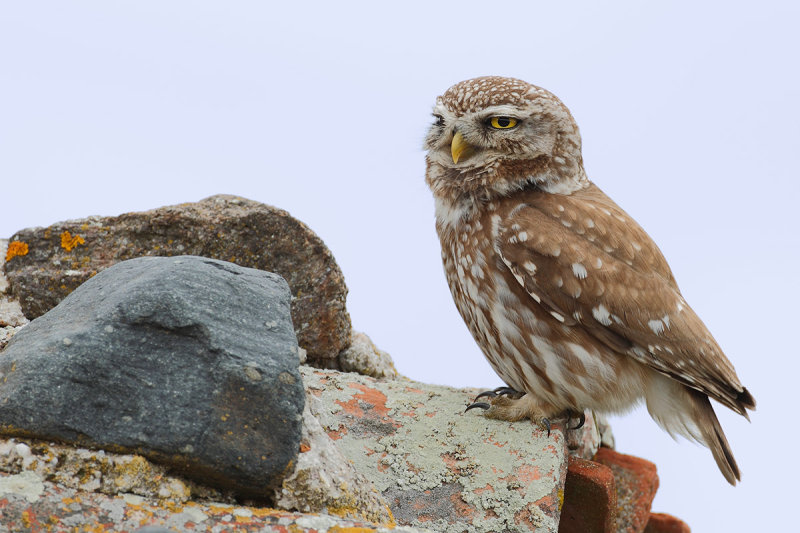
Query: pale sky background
x=690, y=121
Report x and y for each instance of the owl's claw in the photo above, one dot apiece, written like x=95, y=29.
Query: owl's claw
x=482, y=405
x=501, y=391
x=546, y=424
x=581, y=419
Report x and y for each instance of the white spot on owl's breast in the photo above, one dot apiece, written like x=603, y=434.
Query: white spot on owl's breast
x=579, y=270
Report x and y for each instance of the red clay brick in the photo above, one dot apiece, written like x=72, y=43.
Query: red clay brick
x=636, y=483
x=664, y=523
x=590, y=498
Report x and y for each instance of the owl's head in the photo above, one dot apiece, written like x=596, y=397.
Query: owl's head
x=494, y=135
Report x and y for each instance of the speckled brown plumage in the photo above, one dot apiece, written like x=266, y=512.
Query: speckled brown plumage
x=566, y=295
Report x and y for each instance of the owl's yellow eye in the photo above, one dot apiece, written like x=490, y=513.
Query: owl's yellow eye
x=503, y=123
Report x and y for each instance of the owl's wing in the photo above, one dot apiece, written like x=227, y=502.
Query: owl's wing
x=597, y=269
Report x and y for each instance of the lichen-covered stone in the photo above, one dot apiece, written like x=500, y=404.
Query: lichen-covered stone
x=96, y=470
x=437, y=466
x=11, y=316
x=189, y=361
x=31, y=503
x=324, y=481
x=61, y=257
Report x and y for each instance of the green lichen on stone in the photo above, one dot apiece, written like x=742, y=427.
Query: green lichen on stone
x=424, y=441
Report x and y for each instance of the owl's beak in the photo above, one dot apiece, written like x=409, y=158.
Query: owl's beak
x=459, y=147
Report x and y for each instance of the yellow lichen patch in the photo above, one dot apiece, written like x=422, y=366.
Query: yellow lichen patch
x=68, y=242
x=28, y=518
x=15, y=249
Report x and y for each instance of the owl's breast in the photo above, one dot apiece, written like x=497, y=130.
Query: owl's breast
x=492, y=307
x=528, y=348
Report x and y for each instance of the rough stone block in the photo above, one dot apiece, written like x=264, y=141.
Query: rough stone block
x=189, y=361
x=49, y=263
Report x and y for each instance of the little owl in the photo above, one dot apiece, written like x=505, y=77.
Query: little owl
x=569, y=299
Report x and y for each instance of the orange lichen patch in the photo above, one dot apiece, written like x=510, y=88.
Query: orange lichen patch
x=490, y=440
x=15, y=249
x=462, y=508
x=382, y=465
x=351, y=529
x=375, y=399
x=451, y=462
x=304, y=447
x=527, y=474
x=487, y=488
x=336, y=434
x=219, y=510
x=68, y=242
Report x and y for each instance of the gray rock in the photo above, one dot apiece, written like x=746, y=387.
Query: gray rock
x=191, y=362
x=46, y=264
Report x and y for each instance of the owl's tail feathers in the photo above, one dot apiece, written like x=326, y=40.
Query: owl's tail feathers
x=713, y=436
x=681, y=410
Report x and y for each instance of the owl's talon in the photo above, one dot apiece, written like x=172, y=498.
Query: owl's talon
x=581, y=421
x=482, y=405
x=501, y=391
x=546, y=423
x=508, y=391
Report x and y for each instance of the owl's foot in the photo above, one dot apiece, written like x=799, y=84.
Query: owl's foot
x=511, y=405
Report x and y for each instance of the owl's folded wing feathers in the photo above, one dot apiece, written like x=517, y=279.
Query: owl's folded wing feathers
x=591, y=266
